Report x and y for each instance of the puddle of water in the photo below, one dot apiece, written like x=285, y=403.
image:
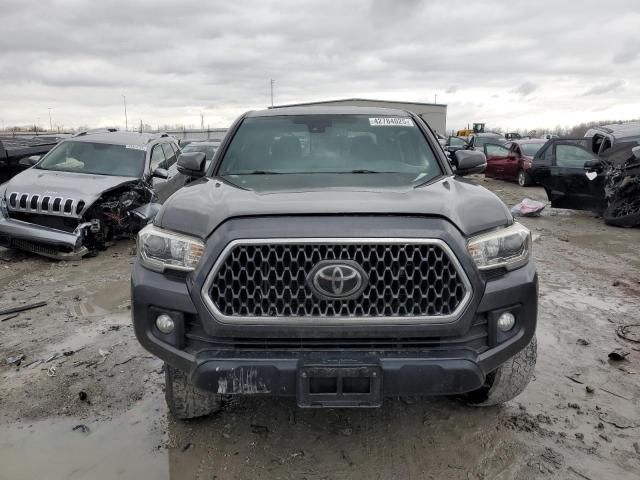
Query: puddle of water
x=124, y=447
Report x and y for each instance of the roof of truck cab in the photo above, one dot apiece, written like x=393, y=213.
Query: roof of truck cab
x=288, y=111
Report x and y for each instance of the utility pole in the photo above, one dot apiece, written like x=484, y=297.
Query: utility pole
x=272, y=82
x=435, y=98
x=126, y=122
x=201, y=121
x=50, y=122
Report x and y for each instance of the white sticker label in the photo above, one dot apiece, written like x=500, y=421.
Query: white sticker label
x=137, y=147
x=591, y=175
x=391, y=122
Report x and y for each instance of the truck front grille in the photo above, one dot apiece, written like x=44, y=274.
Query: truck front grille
x=45, y=204
x=408, y=280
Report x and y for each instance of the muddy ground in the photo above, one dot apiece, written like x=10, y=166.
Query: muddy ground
x=91, y=406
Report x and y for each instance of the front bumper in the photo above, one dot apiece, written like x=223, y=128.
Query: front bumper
x=443, y=369
x=42, y=240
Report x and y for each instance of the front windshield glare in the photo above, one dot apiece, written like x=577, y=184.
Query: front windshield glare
x=330, y=144
x=96, y=158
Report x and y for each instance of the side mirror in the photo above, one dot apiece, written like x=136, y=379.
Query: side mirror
x=469, y=161
x=192, y=164
x=636, y=152
x=29, y=161
x=161, y=173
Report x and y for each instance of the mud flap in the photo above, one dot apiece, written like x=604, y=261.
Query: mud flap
x=321, y=386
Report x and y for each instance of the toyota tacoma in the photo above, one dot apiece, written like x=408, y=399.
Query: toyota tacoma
x=332, y=255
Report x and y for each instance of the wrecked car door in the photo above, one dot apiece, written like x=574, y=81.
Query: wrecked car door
x=512, y=164
x=571, y=185
x=497, y=157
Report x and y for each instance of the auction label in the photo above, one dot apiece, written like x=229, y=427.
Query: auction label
x=391, y=122
x=137, y=147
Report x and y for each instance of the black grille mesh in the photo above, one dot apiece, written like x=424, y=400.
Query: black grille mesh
x=405, y=280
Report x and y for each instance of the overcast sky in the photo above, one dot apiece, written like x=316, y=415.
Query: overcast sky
x=508, y=63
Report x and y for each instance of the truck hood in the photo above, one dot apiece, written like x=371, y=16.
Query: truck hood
x=78, y=186
x=199, y=208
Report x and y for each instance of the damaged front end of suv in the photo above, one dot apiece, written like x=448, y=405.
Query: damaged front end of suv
x=622, y=190
x=70, y=228
x=84, y=195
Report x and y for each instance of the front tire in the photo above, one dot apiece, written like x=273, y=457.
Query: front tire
x=186, y=401
x=508, y=380
x=523, y=178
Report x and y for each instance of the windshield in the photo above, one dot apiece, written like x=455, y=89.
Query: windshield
x=330, y=144
x=96, y=158
x=530, y=149
x=209, y=150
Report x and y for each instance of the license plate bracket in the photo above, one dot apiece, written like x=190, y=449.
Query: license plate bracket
x=328, y=386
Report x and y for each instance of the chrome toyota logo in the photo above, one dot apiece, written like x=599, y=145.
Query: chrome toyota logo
x=337, y=279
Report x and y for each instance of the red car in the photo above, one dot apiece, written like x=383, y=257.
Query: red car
x=512, y=160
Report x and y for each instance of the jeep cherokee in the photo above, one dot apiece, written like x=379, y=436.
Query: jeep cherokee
x=332, y=255
x=88, y=191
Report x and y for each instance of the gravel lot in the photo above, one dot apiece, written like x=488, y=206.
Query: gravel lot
x=91, y=406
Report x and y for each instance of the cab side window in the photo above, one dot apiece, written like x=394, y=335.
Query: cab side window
x=169, y=154
x=157, y=158
x=570, y=156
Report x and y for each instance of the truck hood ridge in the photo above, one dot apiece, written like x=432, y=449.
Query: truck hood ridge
x=199, y=208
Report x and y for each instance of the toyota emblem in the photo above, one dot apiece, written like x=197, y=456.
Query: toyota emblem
x=337, y=280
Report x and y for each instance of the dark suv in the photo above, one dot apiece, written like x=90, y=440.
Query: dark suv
x=330, y=254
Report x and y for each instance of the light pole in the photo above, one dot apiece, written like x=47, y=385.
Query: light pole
x=50, y=122
x=126, y=123
x=435, y=98
x=272, y=82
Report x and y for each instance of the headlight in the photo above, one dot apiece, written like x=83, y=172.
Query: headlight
x=160, y=249
x=508, y=248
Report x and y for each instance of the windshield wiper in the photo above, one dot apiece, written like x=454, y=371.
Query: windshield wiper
x=366, y=171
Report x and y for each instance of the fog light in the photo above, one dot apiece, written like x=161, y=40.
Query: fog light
x=506, y=321
x=165, y=323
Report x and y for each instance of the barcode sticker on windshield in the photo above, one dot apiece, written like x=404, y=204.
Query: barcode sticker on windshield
x=137, y=147
x=390, y=122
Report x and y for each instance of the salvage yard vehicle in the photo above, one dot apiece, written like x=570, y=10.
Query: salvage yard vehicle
x=478, y=140
x=330, y=254
x=574, y=177
x=15, y=149
x=208, y=147
x=605, y=137
x=512, y=160
x=87, y=192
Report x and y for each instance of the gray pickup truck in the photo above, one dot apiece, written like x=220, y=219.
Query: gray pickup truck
x=331, y=255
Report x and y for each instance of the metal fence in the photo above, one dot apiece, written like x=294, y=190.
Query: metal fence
x=180, y=134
